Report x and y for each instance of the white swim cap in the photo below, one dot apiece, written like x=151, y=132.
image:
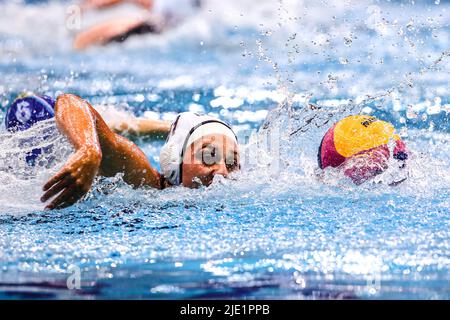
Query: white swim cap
x=186, y=129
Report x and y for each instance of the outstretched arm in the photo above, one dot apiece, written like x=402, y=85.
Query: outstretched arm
x=142, y=127
x=98, y=151
x=99, y=4
x=125, y=122
x=103, y=33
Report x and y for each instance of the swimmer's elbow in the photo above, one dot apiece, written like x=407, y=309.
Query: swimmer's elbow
x=74, y=116
x=68, y=96
x=65, y=100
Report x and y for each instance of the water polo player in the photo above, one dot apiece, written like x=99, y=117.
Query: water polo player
x=29, y=108
x=360, y=146
x=141, y=17
x=197, y=149
x=24, y=112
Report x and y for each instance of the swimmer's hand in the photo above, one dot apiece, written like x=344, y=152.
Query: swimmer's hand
x=367, y=164
x=74, y=180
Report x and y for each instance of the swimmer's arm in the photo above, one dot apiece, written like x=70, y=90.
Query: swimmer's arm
x=99, y=4
x=142, y=127
x=98, y=151
x=75, y=178
x=104, y=32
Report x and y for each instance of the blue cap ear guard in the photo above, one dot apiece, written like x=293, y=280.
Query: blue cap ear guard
x=24, y=112
x=27, y=110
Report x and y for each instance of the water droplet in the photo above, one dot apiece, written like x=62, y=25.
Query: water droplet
x=410, y=114
x=410, y=25
x=348, y=41
x=424, y=117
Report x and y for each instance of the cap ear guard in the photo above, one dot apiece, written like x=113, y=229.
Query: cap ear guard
x=170, y=160
x=28, y=109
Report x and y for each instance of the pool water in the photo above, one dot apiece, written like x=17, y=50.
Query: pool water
x=279, y=229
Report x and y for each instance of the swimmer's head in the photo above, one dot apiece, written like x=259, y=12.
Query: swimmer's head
x=198, y=148
x=28, y=109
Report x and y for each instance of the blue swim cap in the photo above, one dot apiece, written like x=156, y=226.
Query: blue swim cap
x=24, y=112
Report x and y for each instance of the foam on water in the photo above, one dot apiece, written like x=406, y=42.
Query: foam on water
x=22, y=183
